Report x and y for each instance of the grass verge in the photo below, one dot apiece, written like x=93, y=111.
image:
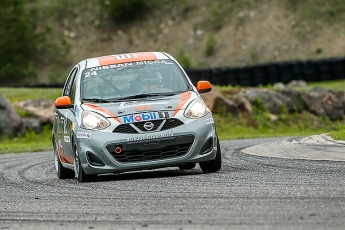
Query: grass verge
x=20, y=94
x=30, y=142
x=261, y=127
x=338, y=134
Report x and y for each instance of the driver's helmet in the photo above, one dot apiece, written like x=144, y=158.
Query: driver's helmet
x=152, y=79
x=139, y=84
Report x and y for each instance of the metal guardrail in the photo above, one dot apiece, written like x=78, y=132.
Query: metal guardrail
x=263, y=74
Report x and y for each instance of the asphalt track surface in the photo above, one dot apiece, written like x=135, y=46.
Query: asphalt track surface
x=251, y=191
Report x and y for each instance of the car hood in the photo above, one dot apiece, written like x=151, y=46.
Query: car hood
x=150, y=108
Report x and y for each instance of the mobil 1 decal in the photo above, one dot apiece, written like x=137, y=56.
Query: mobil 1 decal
x=145, y=117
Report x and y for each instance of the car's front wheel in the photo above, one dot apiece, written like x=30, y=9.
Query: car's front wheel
x=61, y=172
x=79, y=172
x=213, y=165
x=187, y=166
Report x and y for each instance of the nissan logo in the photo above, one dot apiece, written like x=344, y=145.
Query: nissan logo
x=149, y=125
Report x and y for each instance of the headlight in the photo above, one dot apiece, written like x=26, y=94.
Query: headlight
x=196, y=109
x=92, y=120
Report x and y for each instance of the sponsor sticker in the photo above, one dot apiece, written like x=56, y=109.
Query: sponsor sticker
x=163, y=115
x=149, y=137
x=85, y=165
x=145, y=117
x=124, y=105
x=144, y=107
x=82, y=135
x=94, y=70
x=152, y=62
x=66, y=139
x=209, y=121
x=139, y=117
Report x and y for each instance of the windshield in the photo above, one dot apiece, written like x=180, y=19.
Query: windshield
x=127, y=80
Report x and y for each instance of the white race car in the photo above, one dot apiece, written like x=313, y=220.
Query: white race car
x=131, y=112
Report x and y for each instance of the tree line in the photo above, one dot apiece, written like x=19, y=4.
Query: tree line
x=21, y=38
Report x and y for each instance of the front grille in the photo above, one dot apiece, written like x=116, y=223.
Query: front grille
x=151, y=150
x=140, y=125
x=169, y=124
x=151, y=155
x=124, y=128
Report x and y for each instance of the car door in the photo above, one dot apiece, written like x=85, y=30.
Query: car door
x=67, y=118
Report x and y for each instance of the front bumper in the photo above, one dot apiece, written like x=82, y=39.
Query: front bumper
x=129, y=152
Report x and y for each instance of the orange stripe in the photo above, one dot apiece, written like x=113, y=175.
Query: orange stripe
x=185, y=96
x=123, y=58
x=103, y=110
x=107, y=60
x=64, y=158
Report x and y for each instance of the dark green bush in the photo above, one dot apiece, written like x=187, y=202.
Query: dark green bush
x=211, y=44
x=183, y=58
x=124, y=9
x=18, y=41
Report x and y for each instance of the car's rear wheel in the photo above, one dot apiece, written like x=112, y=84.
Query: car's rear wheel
x=79, y=172
x=61, y=172
x=187, y=166
x=213, y=165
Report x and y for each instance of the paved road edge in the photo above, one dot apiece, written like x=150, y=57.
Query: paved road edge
x=316, y=147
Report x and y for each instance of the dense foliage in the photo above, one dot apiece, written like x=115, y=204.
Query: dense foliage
x=124, y=9
x=18, y=41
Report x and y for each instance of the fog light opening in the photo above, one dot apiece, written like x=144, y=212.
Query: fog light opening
x=93, y=159
x=207, y=147
x=118, y=150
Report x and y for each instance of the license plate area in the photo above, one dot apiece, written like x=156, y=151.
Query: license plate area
x=150, y=144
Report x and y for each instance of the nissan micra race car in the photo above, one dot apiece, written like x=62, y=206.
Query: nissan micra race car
x=131, y=112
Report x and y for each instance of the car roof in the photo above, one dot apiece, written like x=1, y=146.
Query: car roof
x=123, y=58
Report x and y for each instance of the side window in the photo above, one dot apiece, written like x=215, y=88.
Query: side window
x=69, y=82
x=74, y=85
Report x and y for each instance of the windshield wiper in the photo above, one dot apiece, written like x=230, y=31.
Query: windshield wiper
x=140, y=96
x=99, y=100
x=144, y=95
x=169, y=93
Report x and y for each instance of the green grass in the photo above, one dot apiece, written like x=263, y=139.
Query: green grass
x=30, y=142
x=261, y=127
x=332, y=85
x=339, y=133
x=21, y=94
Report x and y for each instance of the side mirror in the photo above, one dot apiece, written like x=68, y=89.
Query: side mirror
x=64, y=102
x=203, y=86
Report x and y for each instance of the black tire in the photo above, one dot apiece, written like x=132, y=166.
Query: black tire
x=187, y=166
x=214, y=165
x=79, y=172
x=62, y=173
